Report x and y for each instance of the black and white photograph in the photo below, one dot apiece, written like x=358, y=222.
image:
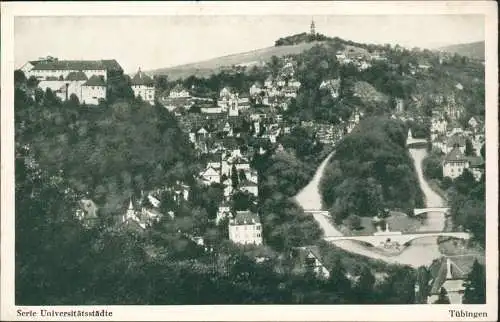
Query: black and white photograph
x=200, y=156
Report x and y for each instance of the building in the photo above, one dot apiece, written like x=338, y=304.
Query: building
x=223, y=212
x=178, y=91
x=456, y=162
x=53, y=67
x=143, y=86
x=255, y=89
x=332, y=85
x=94, y=90
x=87, y=212
x=449, y=273
x=308, y=259
x=250, y=187
x=245, y=228
x=210, y=175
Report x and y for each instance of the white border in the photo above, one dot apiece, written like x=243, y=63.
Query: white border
x=255, y=312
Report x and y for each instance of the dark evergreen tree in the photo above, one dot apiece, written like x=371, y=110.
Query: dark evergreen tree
x=475, y=285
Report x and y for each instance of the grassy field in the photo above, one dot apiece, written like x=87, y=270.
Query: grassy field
x=211, y=66
x=397, y=221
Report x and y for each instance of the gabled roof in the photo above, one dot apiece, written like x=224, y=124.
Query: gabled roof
x=110, y=64
x=142, y=79
x=455, y=155
x=178, y=88
x=95, y=80
x=456, y=140
x=245, y=218
x=76, y=76
x=475, y=162
x=460, y=267
x=210, y=172
x=248, y=183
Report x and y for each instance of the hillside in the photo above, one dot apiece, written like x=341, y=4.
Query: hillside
x=211, y=66
x=471, y=50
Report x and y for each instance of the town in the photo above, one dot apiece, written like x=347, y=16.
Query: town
x=242, y=164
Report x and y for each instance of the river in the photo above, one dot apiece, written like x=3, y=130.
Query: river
x=420, y=252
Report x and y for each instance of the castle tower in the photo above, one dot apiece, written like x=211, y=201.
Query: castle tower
x=313, y=27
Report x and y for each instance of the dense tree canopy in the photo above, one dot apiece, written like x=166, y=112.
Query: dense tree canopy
x=371, y=170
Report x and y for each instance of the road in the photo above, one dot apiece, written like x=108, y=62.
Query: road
x=421, y=251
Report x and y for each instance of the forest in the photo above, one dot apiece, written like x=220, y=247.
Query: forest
x=370, y=171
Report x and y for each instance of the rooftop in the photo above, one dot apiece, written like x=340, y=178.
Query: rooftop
x=142, y=79
x=95, y=81
x=107, y=64
x=76, y=76
x=245, y=218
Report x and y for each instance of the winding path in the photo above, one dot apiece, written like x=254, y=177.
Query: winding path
x=421, y=252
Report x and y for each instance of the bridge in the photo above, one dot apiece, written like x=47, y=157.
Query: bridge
x=317, y=212
x=419, y=211
x=399, y=238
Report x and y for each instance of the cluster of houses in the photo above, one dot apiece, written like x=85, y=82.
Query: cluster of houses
x=360, y=58
x=277, y=91
x=450, y=139
x=88, y=80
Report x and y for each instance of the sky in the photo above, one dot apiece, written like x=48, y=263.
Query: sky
x=151, y=42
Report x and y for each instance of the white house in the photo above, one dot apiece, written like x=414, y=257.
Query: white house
x=294, y=83
x=250, y=187
x=456, y=162
x=269, y=82
x=450, y=273
x=225, y=92
x=179, y=91
x=143, y=86
x=210, y=175
x=94, y=90
x=255, y=89
x=245, y=228
x=224, y=211
x=51, y=67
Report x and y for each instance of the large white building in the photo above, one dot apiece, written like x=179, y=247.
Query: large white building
x=245, y=228
x=143, y=86
x=88, y=90
x=456, y=162
x=51, y=67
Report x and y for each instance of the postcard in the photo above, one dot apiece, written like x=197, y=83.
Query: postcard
x=249, y=161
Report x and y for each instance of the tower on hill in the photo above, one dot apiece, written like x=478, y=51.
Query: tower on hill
x=313, y=27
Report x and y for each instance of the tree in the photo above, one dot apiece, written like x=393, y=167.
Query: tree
x=242, y=176
x=161, y=82
x=234, y=177
x=32, y=82
x=338, y=280
x=443, y=297
x=469, y=148
x=364, y=286
x=475, y=285
x=354, y=222
x=19, y=77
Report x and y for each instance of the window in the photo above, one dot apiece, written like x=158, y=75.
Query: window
x=258, y=228
x=258, y=235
